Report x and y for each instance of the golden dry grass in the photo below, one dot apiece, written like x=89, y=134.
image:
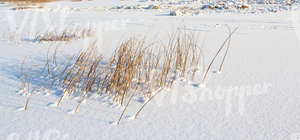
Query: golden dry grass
x=28, y=4
x=28, y=1
x=135, y=69
x=226, y=41
x=25, y=3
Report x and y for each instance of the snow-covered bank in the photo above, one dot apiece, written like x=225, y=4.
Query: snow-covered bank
x=255, y=97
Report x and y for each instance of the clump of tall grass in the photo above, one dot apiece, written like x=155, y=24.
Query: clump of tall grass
x=135, y=69
x=83, y=72
x=25, y=7
x=26, y=83
x=67, y=34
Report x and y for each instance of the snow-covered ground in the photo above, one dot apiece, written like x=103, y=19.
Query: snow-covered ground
x=256, y=96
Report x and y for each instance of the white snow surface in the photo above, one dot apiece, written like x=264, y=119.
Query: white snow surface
x=256, y=96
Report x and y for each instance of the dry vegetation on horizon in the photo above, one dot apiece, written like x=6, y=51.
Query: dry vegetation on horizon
x=28, y=1
x=28, y=4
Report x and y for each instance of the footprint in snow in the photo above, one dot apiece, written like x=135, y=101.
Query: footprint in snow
x=216, y=71
x=113, y=122
x=198, y=85
x=52, y=105
x=72, y=111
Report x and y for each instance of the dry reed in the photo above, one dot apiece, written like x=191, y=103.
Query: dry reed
x=67, y=34
x=134, y=69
